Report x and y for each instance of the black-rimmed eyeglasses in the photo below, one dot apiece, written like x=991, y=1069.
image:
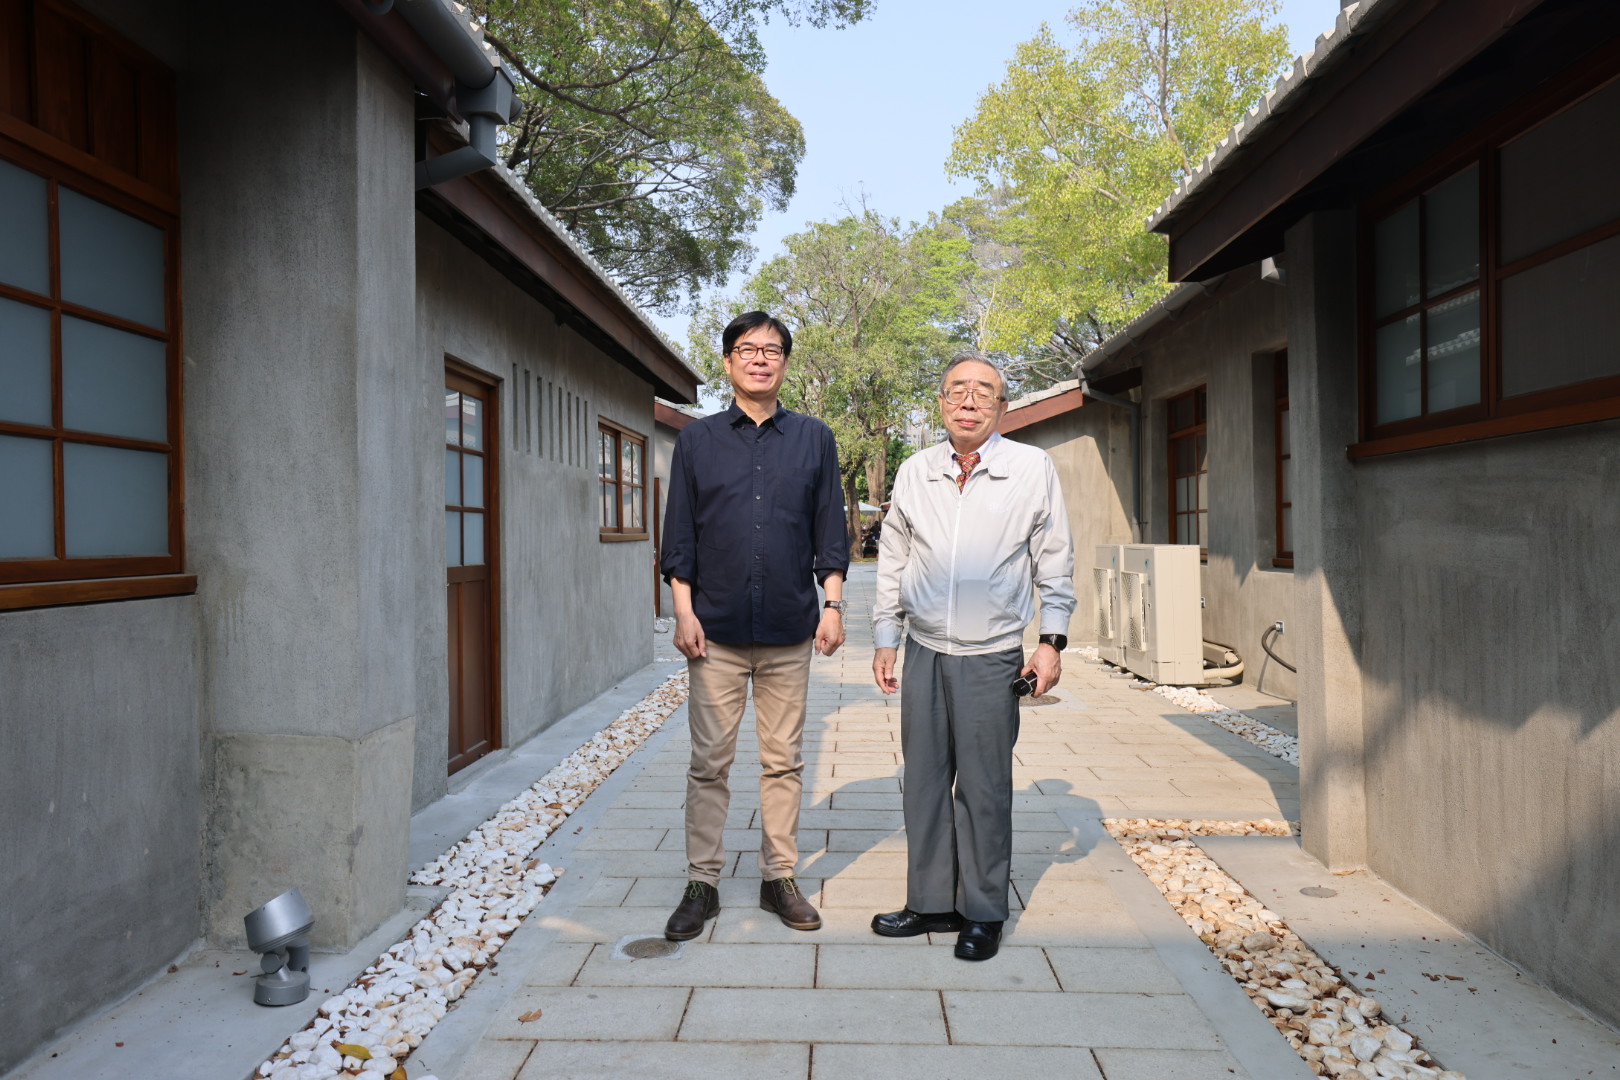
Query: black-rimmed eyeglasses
x=958, y=395
x=748, y=352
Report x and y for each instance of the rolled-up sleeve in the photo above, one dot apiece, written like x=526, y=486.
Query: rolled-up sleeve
x=679, y=557
x=894, y=549
x=1051, y=551
x=830, y=533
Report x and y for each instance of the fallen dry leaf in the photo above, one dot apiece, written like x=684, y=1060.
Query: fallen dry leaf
x=354, y=1050
x=398, y=1074
x=529, y=1017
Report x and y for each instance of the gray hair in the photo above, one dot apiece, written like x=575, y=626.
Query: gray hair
x=972, y=356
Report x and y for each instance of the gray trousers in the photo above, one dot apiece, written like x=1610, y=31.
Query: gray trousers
x=958, y=724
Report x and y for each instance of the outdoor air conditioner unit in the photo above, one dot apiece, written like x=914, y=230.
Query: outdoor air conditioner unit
x=1161, y=618
x=1105, y=576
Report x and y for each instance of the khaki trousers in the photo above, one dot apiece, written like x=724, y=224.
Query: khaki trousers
x=719, y=692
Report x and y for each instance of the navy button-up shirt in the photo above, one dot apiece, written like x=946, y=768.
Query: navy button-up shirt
x=755, y=519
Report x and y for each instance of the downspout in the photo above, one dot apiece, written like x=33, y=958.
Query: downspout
x=484, y=93
x=1135, y=409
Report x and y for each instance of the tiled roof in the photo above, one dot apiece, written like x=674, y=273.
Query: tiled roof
x=1354, y=21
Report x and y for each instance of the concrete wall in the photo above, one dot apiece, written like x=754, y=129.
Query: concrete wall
x=298, y=236
x=101, y=807
x=662, y=451
x=1229, y=346
x=1091, y=448
x=575, y=612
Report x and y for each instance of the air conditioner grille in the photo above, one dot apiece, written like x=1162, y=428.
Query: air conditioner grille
x=1103, y=579
x=1135, y=614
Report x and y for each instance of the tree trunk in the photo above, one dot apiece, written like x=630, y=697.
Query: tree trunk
x=877, y=474
x=852, y=515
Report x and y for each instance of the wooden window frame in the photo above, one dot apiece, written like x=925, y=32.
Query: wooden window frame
x=59, y=579
x=1562, y=406
x=1199, y=427
x=620, y=434
x=1284, y=556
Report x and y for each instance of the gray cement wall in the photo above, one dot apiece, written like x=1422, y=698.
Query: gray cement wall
x=1091, y=448
x=101, y=807
x=663, y=456
x=1492, y=697
x=298, y=247
x=575, y=611
x=1228, y=346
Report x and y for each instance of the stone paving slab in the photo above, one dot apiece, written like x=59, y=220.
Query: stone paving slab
x=658, y=1061
x=1125, y=1064
x=710, y=965
x=881, y=967
x=820, y=1016
x=619, y=1013
x=1017, y=1018
x=954, y=1063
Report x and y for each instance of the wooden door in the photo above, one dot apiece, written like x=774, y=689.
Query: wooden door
x=471, y=531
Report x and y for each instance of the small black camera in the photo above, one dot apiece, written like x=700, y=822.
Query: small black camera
x=1024, y=685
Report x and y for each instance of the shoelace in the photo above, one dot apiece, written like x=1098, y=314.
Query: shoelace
x=787, y=885
x=694, y=890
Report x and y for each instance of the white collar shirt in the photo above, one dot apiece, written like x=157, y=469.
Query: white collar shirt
x=958, y=570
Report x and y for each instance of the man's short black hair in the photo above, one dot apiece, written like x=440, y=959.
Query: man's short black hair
x=753, y=320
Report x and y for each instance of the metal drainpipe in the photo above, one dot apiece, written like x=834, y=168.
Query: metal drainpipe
x=1135, y=408
x=484, y=91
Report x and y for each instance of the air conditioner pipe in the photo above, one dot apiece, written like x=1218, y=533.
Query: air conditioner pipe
x=1135, y=409
x=1265, y=644
x=1227, y=664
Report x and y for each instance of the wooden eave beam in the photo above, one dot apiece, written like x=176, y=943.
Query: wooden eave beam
x=1299, y=150
x=506, y=226
x=1044, y=409
x=406, y=48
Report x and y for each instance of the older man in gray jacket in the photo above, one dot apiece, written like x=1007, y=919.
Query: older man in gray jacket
x=976, y=524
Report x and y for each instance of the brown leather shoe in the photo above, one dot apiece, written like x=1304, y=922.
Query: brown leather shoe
x=783, y=897
x=700, y=903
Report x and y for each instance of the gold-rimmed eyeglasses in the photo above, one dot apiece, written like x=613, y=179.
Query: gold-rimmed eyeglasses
x=748, y=352
x=958, y=395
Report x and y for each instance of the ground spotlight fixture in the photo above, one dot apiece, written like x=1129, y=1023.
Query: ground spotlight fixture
x=278, y=932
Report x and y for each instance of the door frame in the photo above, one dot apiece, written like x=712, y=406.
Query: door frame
x=487, y=387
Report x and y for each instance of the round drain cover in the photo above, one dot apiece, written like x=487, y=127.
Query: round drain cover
x=1318, y=890
x=651, y=948
x=1044, y=699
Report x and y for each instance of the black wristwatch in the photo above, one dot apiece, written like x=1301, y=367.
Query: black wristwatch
x=1057, y=641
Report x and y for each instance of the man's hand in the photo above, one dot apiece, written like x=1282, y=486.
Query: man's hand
x=883, y=669
x=689, y=637
x=830, y=631
x=1047, y=665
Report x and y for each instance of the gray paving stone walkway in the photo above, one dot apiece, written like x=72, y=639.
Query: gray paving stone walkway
x=1091, y=980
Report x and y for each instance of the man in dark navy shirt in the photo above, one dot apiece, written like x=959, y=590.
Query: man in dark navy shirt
x=755, y=518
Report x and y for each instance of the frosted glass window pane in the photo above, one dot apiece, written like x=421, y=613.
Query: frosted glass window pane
x=113, y=382
x=635, y=462
x=1395, y=242
x=1451, y=232
x=472, y=539
x=604, y=455
x=25, y=362
x=472, y=423
x=110, y=261
x=452, y=538
x=1561, y=322
x=24, y=222
x=1558, y=180
x=635, y=507
x=117, y=501
x=610, y=495
x=452, y=478
x=1454, y=353
x=452, y=418
x=472, y=479
x=1181, y=529
x=28, y=523
x=1399, y=393
x=1203, y=491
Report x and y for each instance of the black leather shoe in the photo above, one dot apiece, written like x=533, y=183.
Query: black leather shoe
x=978, y=940
x=700, y=903
x=784, y=898
x=908, y=923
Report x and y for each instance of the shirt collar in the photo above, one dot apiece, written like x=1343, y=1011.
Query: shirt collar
x=735, y=415
x=991, y=459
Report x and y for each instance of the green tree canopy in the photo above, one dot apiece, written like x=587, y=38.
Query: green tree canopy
x=870, y=304
x=1083, y=139
x=647, y=129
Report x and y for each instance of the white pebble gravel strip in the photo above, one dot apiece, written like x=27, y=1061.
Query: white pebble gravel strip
x=1274, y=742
x=495, y=883
x=1336, y=1030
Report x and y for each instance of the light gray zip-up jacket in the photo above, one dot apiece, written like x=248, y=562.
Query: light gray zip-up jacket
x=962, y=567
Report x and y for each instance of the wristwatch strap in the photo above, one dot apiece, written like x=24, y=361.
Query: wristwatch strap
x=1057, y=641
x=836, y=605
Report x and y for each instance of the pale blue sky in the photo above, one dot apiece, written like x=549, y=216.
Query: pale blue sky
x=879, y=101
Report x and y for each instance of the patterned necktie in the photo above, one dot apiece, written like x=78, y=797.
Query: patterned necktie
x=967, y=462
